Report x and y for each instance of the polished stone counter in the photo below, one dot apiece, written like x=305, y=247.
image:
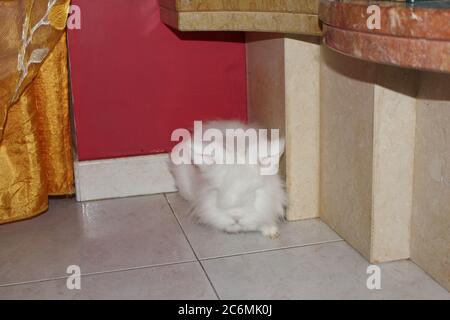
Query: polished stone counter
x=283, y=16
x=412, y=36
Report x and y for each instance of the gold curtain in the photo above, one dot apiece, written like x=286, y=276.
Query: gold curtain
x=35, y=143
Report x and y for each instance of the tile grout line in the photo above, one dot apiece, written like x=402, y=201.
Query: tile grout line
x=273, y=249
x=171, y=263
x=150, y=266
x=192, y=248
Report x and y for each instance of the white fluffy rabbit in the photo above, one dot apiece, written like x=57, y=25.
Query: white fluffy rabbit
x=234, y=197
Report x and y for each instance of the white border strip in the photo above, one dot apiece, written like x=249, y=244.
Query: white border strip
x=123, y=177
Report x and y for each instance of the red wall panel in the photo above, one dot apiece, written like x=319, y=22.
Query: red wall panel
x=134, y=80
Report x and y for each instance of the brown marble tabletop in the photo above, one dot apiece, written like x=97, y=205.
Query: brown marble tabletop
x=413, y=36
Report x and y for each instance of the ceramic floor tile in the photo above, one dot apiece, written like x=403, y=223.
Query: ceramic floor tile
x=97, y=236
x=208, y=242
x=180, y=281
x=325, y=271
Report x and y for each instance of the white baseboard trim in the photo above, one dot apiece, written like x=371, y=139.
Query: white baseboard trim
x=122, y=177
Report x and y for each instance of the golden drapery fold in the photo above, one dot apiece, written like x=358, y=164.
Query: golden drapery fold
x=35, y=143
x=29, y=29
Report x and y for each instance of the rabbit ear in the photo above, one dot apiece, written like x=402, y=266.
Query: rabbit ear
x=208, y=152
x=277, y=147
x=274, y=153
x=199, y=156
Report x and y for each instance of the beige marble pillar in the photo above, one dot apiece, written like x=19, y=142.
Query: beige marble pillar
x=368, y=146
x=265, y=79
x=283, y=91
x=367, y=154
x=430, y=234
x=393, y=162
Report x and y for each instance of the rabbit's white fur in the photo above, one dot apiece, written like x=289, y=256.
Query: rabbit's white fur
x=233, y=198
